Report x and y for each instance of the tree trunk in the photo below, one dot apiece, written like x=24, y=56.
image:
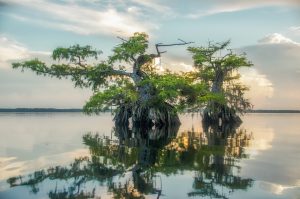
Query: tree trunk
x=215, y=112
x=144, y=112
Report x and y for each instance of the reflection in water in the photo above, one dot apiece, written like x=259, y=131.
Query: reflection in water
x=131, y=166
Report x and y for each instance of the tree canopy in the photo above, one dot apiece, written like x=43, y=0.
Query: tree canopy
x=217, y=67
x=144, y=94
x=141, y=92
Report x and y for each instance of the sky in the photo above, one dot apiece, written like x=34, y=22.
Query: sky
x=268, y=31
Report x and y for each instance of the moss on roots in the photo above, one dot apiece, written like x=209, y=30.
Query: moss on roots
x=147, y=115
x=219, y=114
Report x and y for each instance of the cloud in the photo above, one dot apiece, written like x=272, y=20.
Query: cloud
x=84, y=20
x=150, y=4
x=295, y=28
x=182, y=66
x=28, y=90
x=260, y=86
x=12, y=50
x=217, y=7
x=277, y=38
x=276, y=64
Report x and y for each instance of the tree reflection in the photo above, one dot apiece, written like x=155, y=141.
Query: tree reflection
x=224, y=147
x=131, y=165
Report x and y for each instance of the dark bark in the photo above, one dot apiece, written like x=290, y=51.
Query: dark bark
x=147, y=115
x=154, y=115
x=218, y=113
x=145, y=112
x=218, y=82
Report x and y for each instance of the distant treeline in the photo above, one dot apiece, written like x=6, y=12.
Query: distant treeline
x=274, y=111
x=24, y=110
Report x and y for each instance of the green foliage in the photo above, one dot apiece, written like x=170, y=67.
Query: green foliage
x=115, y=87
x=131, y=48
x=113, y=96
x=75, y=53
x=176, y=89
x=217, y=67
x=207, y=60
x=93, y=77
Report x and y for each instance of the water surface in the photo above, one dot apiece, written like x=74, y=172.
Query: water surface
x=70, y=155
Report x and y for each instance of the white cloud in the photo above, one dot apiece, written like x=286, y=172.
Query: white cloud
x=275, y=80
x=26, y=89
x=236, y=5
x=277, y=38
x=260, y=86
x=177, y=66
x=294, y=31
x=186, y=67
x=11, y=50
x=134, y=10
x=84, y=20
x=150, y=4
x=295, y=28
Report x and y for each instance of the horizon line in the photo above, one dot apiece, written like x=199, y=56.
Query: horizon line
x=81, y=110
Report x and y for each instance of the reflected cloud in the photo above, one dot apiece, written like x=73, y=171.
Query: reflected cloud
x=11, y=166
x=261, y=143
x=275, y=188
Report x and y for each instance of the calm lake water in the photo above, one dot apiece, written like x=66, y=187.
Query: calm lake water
x=70, y=155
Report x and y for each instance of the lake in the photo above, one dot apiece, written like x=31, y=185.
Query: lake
x=71, y=155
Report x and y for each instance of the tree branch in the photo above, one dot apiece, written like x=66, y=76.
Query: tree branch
x=165, y=45
x=79, y=63
x=124, y=40
x=121, y=72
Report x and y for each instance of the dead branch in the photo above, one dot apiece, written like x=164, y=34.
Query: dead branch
x=124, y=40
x=182, y=42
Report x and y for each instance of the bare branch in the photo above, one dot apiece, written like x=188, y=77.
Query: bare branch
x=124, y=40
x=165, y=45
x=181, y=40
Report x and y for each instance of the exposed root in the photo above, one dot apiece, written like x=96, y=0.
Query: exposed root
x=148, y=116
x=220, y=114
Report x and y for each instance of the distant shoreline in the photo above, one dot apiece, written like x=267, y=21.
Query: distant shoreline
x=273, y=111
x=75, y=110
x=39, y=110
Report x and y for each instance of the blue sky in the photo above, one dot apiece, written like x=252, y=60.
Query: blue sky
x=267, y=30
